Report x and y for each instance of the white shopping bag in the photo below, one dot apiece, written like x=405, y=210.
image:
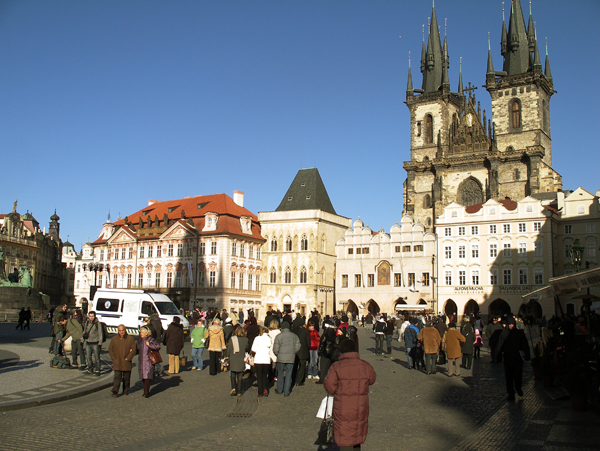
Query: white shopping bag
x=327, y=401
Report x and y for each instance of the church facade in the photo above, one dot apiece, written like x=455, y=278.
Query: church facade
x=457, y=153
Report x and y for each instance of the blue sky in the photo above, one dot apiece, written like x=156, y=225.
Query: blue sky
x=106, y=104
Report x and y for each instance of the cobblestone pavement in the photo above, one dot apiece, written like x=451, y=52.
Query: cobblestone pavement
x=408, y=409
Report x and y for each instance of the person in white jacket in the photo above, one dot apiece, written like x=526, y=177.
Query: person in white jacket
x=261, y=347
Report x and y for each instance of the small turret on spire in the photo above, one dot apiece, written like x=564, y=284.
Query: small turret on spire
x=423, y=53
x=409, y=84
x=490, y=63
x=531, y=31
x=446, y=61
x=536, y=54
x=547, y=71
x=460, y=81
x=503, y=41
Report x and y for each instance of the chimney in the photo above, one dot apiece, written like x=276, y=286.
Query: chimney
x=238, y=198
x=151, y=201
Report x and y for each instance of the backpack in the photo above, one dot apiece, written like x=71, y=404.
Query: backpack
x=104, y=332
x=60, y=362
x=352, y=333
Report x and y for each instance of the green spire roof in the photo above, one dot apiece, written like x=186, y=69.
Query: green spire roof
x=307, y=192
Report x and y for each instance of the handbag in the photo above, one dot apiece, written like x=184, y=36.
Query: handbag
x=441, y=360
x=326, y=432
x=154, y=357
x=67, y=344
x=249, y=359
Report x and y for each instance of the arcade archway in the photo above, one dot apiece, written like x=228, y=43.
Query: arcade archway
x=373, y=307
x=499, y=308
x=351, y=307
x=531, y=312
x=450, y=308
x=471, y=308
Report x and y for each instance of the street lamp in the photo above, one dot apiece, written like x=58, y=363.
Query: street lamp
x=576, y=254
x=327, y=290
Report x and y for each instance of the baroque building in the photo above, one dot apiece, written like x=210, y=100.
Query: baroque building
x=202, y=250
x=457, y=153
x=299, y=253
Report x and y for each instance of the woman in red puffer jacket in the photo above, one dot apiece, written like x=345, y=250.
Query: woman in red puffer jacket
x=315, y=339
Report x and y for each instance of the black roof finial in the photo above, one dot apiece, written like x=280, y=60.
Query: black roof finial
x=490, y=63
x=547, y=71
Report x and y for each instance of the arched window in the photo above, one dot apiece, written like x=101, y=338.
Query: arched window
x=429, y=129
x=323, y=244
x=303, y=275
x=274, y=244
x=288, y=275
x=515, y=114
x=427, y=201
x=288, y=244
x=517, y=174
x=304, y=243
x=273, y=276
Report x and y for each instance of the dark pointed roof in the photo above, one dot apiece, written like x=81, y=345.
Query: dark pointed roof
x=516, y=59
x=504, y=39
x=409, y=83
x=307, y=192
x=432, y=75
x=547, y=71
x=490, y=63
x=460, y=82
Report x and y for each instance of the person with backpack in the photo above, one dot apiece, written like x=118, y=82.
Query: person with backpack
x=93, y=334
x=410, y=341
x=74, y=329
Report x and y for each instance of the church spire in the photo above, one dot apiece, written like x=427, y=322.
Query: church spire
x=531, y=32
x=547, y=71
x=409, y=84
x=446, y=63
x=503, y=41
x=432, y=77
x=423, y=53
x=517, y=57
x=536, y=54
x=490, y=63
x=460, y=82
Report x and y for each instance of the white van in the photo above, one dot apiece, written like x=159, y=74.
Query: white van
x=130, y=307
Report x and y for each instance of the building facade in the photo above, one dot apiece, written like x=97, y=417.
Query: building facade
x=381, y=272
x=459, y=155
x=203, y=250
x=299, y=252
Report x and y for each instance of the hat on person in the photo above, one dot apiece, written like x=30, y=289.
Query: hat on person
x=285, y=325
x=344, y=319
x=510, y=320
x=452, y=324
x=228, y=320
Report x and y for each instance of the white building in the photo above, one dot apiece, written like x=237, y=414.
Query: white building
x=380, y=272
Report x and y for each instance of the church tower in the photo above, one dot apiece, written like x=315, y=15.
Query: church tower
x=521, y=95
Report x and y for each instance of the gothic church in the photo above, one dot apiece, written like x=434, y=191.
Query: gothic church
x=459, y=155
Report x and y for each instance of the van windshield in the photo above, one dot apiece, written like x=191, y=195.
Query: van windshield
x=167, y=308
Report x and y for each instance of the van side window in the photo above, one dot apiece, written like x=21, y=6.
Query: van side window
x=107, y=305
x=147, y=308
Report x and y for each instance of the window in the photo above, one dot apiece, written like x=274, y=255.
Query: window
x=358, y=249
x=493, y=229
x=274, y=244
x=159, y=251
x=365, y=250
x=188, y=249
x=169, y=279
x=492, y=211
x=461, y=231
x=448, y=252
x=249, y=281
x=590, y=227
x=462, y=278
x=370, y=280
x=201, y=279
x=454, y=214
x=506, y=252
x=288, y=275
x=529, y=209
x=304, y=243
x=157, y=280
x=100, y=280
x=232, y=283
x=213, y=248
x=241, y=277
x=258, y=254
x=474, y=230
x=344, y=280
x=242, y=250
x=418, y=248
x=411, y=279
x=258, y=284
x=178, y=279
x=581, y=209
x=150, y=251
x=507, y=280
x=78, y=268
x=101, y=255
x=475, y=250
x=538, y=276
x=140, y=280
x=141, y=252
x=398, y=280
x=493, y=277
x=179, y=249
x=202, y=249
x=429, y=129
x=568, y=250
x=475, y=277
x=425, y=279
x=303, y=276
x=357, y=280
x=128, y=281
x=448, y=277
x=523, y=276
x=506, y=228
x=522, y=249
x=233, y=249
x=170, y=250
x=116, y=254
x=212, y=279
x=447, y=231
x=123, y=251
x=568, y=229
x=350, y=251
x=537, y=226
x=288, y=244
x=538, y=249
x=406, y=248
x=461, y=252
x=591, y=249
x=515, y=114
x=522, y=227
x=251, y=251
x=273, y=276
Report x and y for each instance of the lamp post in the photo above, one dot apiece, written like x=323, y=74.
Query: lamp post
x=95, y=267
x=327, y=290
x=576, y=254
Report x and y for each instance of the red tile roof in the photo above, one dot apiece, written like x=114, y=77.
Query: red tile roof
x=507, y=203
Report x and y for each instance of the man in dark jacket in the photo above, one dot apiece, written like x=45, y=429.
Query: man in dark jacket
x=122, y=349
x=379, y=329
x=303, y=354
x=513, y=346
x=270, y=317
x=492, y=332
x=174, y=338
x=285, y=347
x=410, y=341
x=94, y=337
x=56, y=318
x=348, y=381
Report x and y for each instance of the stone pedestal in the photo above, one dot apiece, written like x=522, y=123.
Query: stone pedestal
x=13, y=298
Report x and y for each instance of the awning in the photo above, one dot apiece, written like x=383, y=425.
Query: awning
x=575, y=282
x=538, y=294
x=412, y=307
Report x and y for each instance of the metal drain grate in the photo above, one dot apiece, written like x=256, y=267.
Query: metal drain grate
x=239, y=415
x=244, y=407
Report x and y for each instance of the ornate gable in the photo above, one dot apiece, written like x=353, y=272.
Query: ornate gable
x=177, y=231
x=468, y=132
x=122, y=236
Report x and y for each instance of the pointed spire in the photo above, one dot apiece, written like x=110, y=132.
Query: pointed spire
x=517, y=57
x=423, y=53
x=547, y=71
x=432, y=77
x=531, y=31
x=536, y=54
x=460, y=82
x=446, y=63
x=490, y=63
x=409, y=84
x=503, y=42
